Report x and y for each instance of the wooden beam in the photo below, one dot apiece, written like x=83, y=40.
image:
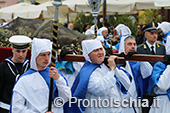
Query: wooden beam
x=119, y=60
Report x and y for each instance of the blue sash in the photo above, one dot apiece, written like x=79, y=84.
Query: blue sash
x=135, y=68
x=166, y=35
x=158, y=69
x=45, y=75
x=67, y=66
x=117, y=45
x=80, y=85
x=105, y=43
x=122, y=88
x=79, y=88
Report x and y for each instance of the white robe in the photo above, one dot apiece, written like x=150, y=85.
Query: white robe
x=146, y=70
x=161, y=88
x=102, y=83
x=71, y=77
x=31, y=93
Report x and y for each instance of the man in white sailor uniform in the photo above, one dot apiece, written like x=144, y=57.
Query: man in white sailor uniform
x=11, y=68
x=31, y=91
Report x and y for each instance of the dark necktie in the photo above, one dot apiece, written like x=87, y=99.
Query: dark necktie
x=152, y=47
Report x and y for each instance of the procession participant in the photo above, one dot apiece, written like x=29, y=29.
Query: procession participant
x=124, y=31
x=31, y=91
x=96, y=80
x=69, y=69
x=139, y=72
x=104, y=32
x=118, y=31
x=165, y=28
x=11, y=68
x=90, y=31
x=109, y=51
x=159, y=81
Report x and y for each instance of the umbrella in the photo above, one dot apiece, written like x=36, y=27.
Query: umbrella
x=145, y=4
x=121, y=6
x=23, y=10
x=48, y=10
x=29, y=11
x=162, y=3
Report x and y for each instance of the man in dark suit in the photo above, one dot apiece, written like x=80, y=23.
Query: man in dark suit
x=150, y=47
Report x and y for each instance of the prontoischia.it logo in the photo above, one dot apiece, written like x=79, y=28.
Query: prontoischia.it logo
x=103, y=103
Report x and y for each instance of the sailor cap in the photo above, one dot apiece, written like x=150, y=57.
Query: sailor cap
x=20, y=41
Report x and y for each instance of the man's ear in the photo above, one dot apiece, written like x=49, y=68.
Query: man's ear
x=12, y=50
x=146, y=33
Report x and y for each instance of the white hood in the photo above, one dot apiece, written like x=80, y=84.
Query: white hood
x=167, y=46
x=39, y=46
x=89, y=45
x=99, y=32
x=165, y=27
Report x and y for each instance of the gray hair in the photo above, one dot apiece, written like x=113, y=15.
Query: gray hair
x=129, y=37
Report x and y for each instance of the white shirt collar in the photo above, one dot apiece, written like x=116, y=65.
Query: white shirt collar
x=149, y=45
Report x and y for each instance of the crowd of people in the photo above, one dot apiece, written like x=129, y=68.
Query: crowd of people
x=25, y=85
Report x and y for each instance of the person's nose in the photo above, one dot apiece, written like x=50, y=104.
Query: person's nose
x=133, y=46
x=47, y=57
x=20, y=53
x=100, y=51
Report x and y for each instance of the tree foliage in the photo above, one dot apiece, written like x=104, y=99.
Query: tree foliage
x=81, y=19
x=127, y=20
x=130, y=21
x=151, y=15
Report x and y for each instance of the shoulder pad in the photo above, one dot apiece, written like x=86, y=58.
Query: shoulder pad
x=160, y=45
x=140, y=45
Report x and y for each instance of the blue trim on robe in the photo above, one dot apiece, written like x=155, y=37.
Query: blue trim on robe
x=67, y=66
x=140, y=86
x=45, y=75
x=120, y=36
x=166, y=35
x=80, y=85
x=117, y=45
x=123, y=89
x=105, y=43
x=29, y=71
x=158, y=69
